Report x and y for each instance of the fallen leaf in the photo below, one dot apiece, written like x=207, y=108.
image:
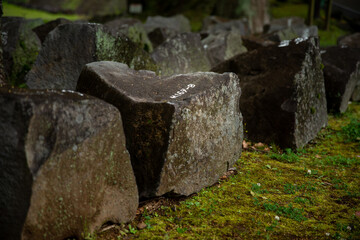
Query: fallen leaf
x=141, y=225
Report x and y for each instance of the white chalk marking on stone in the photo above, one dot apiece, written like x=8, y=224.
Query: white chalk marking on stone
x=182, y=91
x=284, y=43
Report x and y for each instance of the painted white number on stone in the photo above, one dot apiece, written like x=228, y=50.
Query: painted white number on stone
x=182, y=91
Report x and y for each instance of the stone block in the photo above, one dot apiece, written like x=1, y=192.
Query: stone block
x=64, y=167
x=183, y=53
x=341, y=74
x=283, y=95
x=70, y=46
x=182, y=132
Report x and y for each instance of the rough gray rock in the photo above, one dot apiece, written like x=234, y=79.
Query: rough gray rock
x=183, y=132
x=226, y=26
x=70, y=46
x=255, y=42
x=133, y=29
x=43, y=30
x=20, y=47
x=289, y=29
x=256, y=11
x=178, y=23
x=160, y=35
x=64, y=167
x=341, y=74
x=183, y=53
x=284, y=23
x=352, y=40
x=283, y=95
x=223, y=46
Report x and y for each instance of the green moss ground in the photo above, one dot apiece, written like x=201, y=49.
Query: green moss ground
x=313, y=193
x=17, y=11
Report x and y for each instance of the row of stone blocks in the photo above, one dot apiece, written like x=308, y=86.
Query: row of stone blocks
x=72, y=161
x=64, y=160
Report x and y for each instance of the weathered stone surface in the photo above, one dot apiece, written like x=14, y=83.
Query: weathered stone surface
x=133, y=29
x=290, y=28
x=283, y=23
x=222, y=46
x=2, y=70
x=43, y=30
x=227, y=26
x=20, y=47
x=356, y=93
x=70, y=46
x=256, y=11
x=64, y=167
x=352, y=40
x=341, y=74
x=178, y=23
x=182, y=132
x=183, y=53
x=160, y=35
x=255, y=42
x=283, y=95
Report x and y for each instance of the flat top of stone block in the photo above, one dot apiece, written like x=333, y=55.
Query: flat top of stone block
x=46, y=94
x=269, y=63
x=147, y=86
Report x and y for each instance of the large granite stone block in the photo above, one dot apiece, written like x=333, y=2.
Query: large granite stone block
x=183, y=53
x=341, y=73
x=64, y=167
x=182, y=132
x=70, y=46
x=283, y=95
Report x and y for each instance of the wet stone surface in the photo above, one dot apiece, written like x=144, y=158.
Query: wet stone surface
x=64, y=167
x=341, y=74
x=183, y=132
x=283, y=94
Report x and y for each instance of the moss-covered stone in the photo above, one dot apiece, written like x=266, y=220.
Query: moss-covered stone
x=63, y=166
x=70, y=46
x=133, y=29
x=181, y=54
x=121, y=49
x=21, y=47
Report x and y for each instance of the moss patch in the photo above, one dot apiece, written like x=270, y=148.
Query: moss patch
x=17, y=11
x=121, y=49
x=313, y=193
